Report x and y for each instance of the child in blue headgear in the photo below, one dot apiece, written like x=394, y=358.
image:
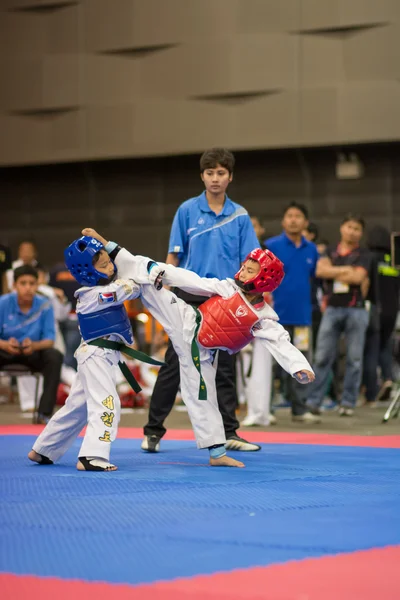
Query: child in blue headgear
x=93, y=399
x=110, y=275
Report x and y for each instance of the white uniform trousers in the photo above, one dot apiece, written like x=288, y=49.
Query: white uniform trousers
x=94, y=401
x=259, y=384
x=178, y=320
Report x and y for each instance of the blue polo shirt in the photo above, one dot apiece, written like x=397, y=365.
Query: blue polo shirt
x=37, y=324
x=292, y=299
x=212, y=245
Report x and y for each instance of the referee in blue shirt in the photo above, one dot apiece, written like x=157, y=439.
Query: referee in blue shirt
x=293, y=299
x=27, y=334
x=210, y=235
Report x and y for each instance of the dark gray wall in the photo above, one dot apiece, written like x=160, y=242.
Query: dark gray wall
x=133, y=201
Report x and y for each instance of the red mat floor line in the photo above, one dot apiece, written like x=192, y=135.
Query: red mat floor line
x=365, y=575
x=264, y=437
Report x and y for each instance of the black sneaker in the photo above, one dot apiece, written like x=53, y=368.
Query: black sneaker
x=151, y=443
x=234, y=442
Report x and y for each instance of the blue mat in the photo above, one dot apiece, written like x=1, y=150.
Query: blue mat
x=168, y=515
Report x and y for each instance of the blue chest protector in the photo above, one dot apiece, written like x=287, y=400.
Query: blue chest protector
x=109, y=321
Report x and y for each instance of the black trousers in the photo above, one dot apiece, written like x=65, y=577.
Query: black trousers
x=48, y=362
x=167, y=384
x=295, y=392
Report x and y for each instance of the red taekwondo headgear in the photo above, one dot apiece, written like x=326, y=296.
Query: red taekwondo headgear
x=270, y=275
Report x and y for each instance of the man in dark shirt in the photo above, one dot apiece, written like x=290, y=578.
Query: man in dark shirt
x=383, y=295
x=345, y=270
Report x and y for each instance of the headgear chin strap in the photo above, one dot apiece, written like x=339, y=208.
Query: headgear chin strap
x=269, y=276
x=79, y=261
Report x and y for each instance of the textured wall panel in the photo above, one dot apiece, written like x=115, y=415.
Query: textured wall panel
x=266, y=16
x=110, y=80
x=47, y=83
x=321, y=60
x=373, y=54
x=67, y=81
x=271, y=121
x=95, y=79
x=331, y=14
x=245, y=64
x=65, y=30
x=22, y=34
x=368, y=111
x=130, y=24
x=18, y=4
x=110, y=131
x=318, y=110
x=26, y=140
x=108, y=25
x=191, y=125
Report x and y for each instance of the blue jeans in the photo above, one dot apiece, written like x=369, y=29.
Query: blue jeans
x=353, y=322
x=72, y=337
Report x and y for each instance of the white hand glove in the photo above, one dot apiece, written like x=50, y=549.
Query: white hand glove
x=155, y=276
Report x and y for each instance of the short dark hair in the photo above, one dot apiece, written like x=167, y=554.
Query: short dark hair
x=25, y=270
x=353, y=217
x=96, y=257
x=299, y=207
x=217, y=156
x=30, y=241
x=312, y=228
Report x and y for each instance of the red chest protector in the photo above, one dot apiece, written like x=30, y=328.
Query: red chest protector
x=226, y=323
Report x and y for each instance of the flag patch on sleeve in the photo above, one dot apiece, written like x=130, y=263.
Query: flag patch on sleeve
x=107, y=297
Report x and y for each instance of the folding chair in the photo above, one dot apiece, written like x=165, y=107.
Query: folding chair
x=17, y=370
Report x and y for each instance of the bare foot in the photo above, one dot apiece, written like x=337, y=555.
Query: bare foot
x=225, y=461
x=94, y=464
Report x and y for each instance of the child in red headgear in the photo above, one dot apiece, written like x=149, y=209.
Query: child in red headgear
x=237, y=311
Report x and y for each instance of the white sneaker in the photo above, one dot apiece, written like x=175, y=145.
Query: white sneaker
x=307, y=418
x=250, y=422
x=346, y=412
x=151, y=443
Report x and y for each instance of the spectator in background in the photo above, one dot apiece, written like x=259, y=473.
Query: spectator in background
x=255, y=363
x=62, y=279
x=383, y=295
x=61, y=307
x=27, y=334
x=311, y=234
x=27, y=255
x=210, y=235
x=292, y=300
x=345, y=269
x=5, y=265
x=259, y=230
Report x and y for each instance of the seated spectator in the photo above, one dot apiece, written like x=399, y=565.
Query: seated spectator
x=27, y=255
x=62, y=308
x=27, y=335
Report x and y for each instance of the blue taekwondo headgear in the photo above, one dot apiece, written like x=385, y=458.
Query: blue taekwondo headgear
x=79, y=261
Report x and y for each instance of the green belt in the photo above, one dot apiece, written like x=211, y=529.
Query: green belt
x=102, y=343
x=196, y=356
